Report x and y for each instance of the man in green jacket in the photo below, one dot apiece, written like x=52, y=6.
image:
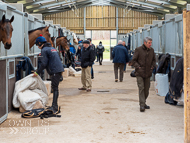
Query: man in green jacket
x=144, y=62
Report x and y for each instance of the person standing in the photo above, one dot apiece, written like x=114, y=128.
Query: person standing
x=87, y=60
x=100, y=50
x=144, y=62
x=72, y=49
x=124, y=44
x=97, y=56
x=50, y=61
x=79, y=52
x=120, y=58
x=92, y=46
x=71, y=56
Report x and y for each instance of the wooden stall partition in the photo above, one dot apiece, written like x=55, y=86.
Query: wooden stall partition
x=186, y=41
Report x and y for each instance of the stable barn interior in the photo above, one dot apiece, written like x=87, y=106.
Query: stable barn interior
x=168, y=30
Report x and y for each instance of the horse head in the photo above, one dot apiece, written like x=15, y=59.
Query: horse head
x=47, y=35
x=75, y=40
x=34, y=34
x=62, y=41
x=6, y=30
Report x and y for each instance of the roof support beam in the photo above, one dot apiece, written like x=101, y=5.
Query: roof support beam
x=14, y=1
x=138, y=7
x=153, y=5
x=140, y=10
x=63, y=7
x=115, y=5
x=48, y=5
x=63, y=2
x=146, y=7
x=62, y=10
x=35, y=2
x=168, y=3
x=178, y=4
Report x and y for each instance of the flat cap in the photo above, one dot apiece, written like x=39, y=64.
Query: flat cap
x=86, y=42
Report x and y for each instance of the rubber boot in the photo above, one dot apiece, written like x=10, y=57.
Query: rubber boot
x=54, y=106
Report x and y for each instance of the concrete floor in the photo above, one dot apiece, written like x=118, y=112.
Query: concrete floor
x=108, y=114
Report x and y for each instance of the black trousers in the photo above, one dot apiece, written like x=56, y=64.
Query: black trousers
x=100, y=58
x=55, y=81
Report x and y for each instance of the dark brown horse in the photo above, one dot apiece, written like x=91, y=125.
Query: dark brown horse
x=61, y=41
x=35, y=33
x=6, y=30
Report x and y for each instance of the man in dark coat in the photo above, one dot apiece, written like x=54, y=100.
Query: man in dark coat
x=120, y=58
x=92, y=46
x=52, y=63
x=100, y=50
x=87, y=60
x=144, y=62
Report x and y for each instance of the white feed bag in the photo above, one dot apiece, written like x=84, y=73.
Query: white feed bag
x=161, y=84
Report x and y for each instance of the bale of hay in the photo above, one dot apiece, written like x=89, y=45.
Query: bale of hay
x=65, y=74
x=72, y=71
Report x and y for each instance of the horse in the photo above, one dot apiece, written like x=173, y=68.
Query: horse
x=60, y=41
x=75, y=40
x=34, y=34
x=63, y=42
x=6, y=30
